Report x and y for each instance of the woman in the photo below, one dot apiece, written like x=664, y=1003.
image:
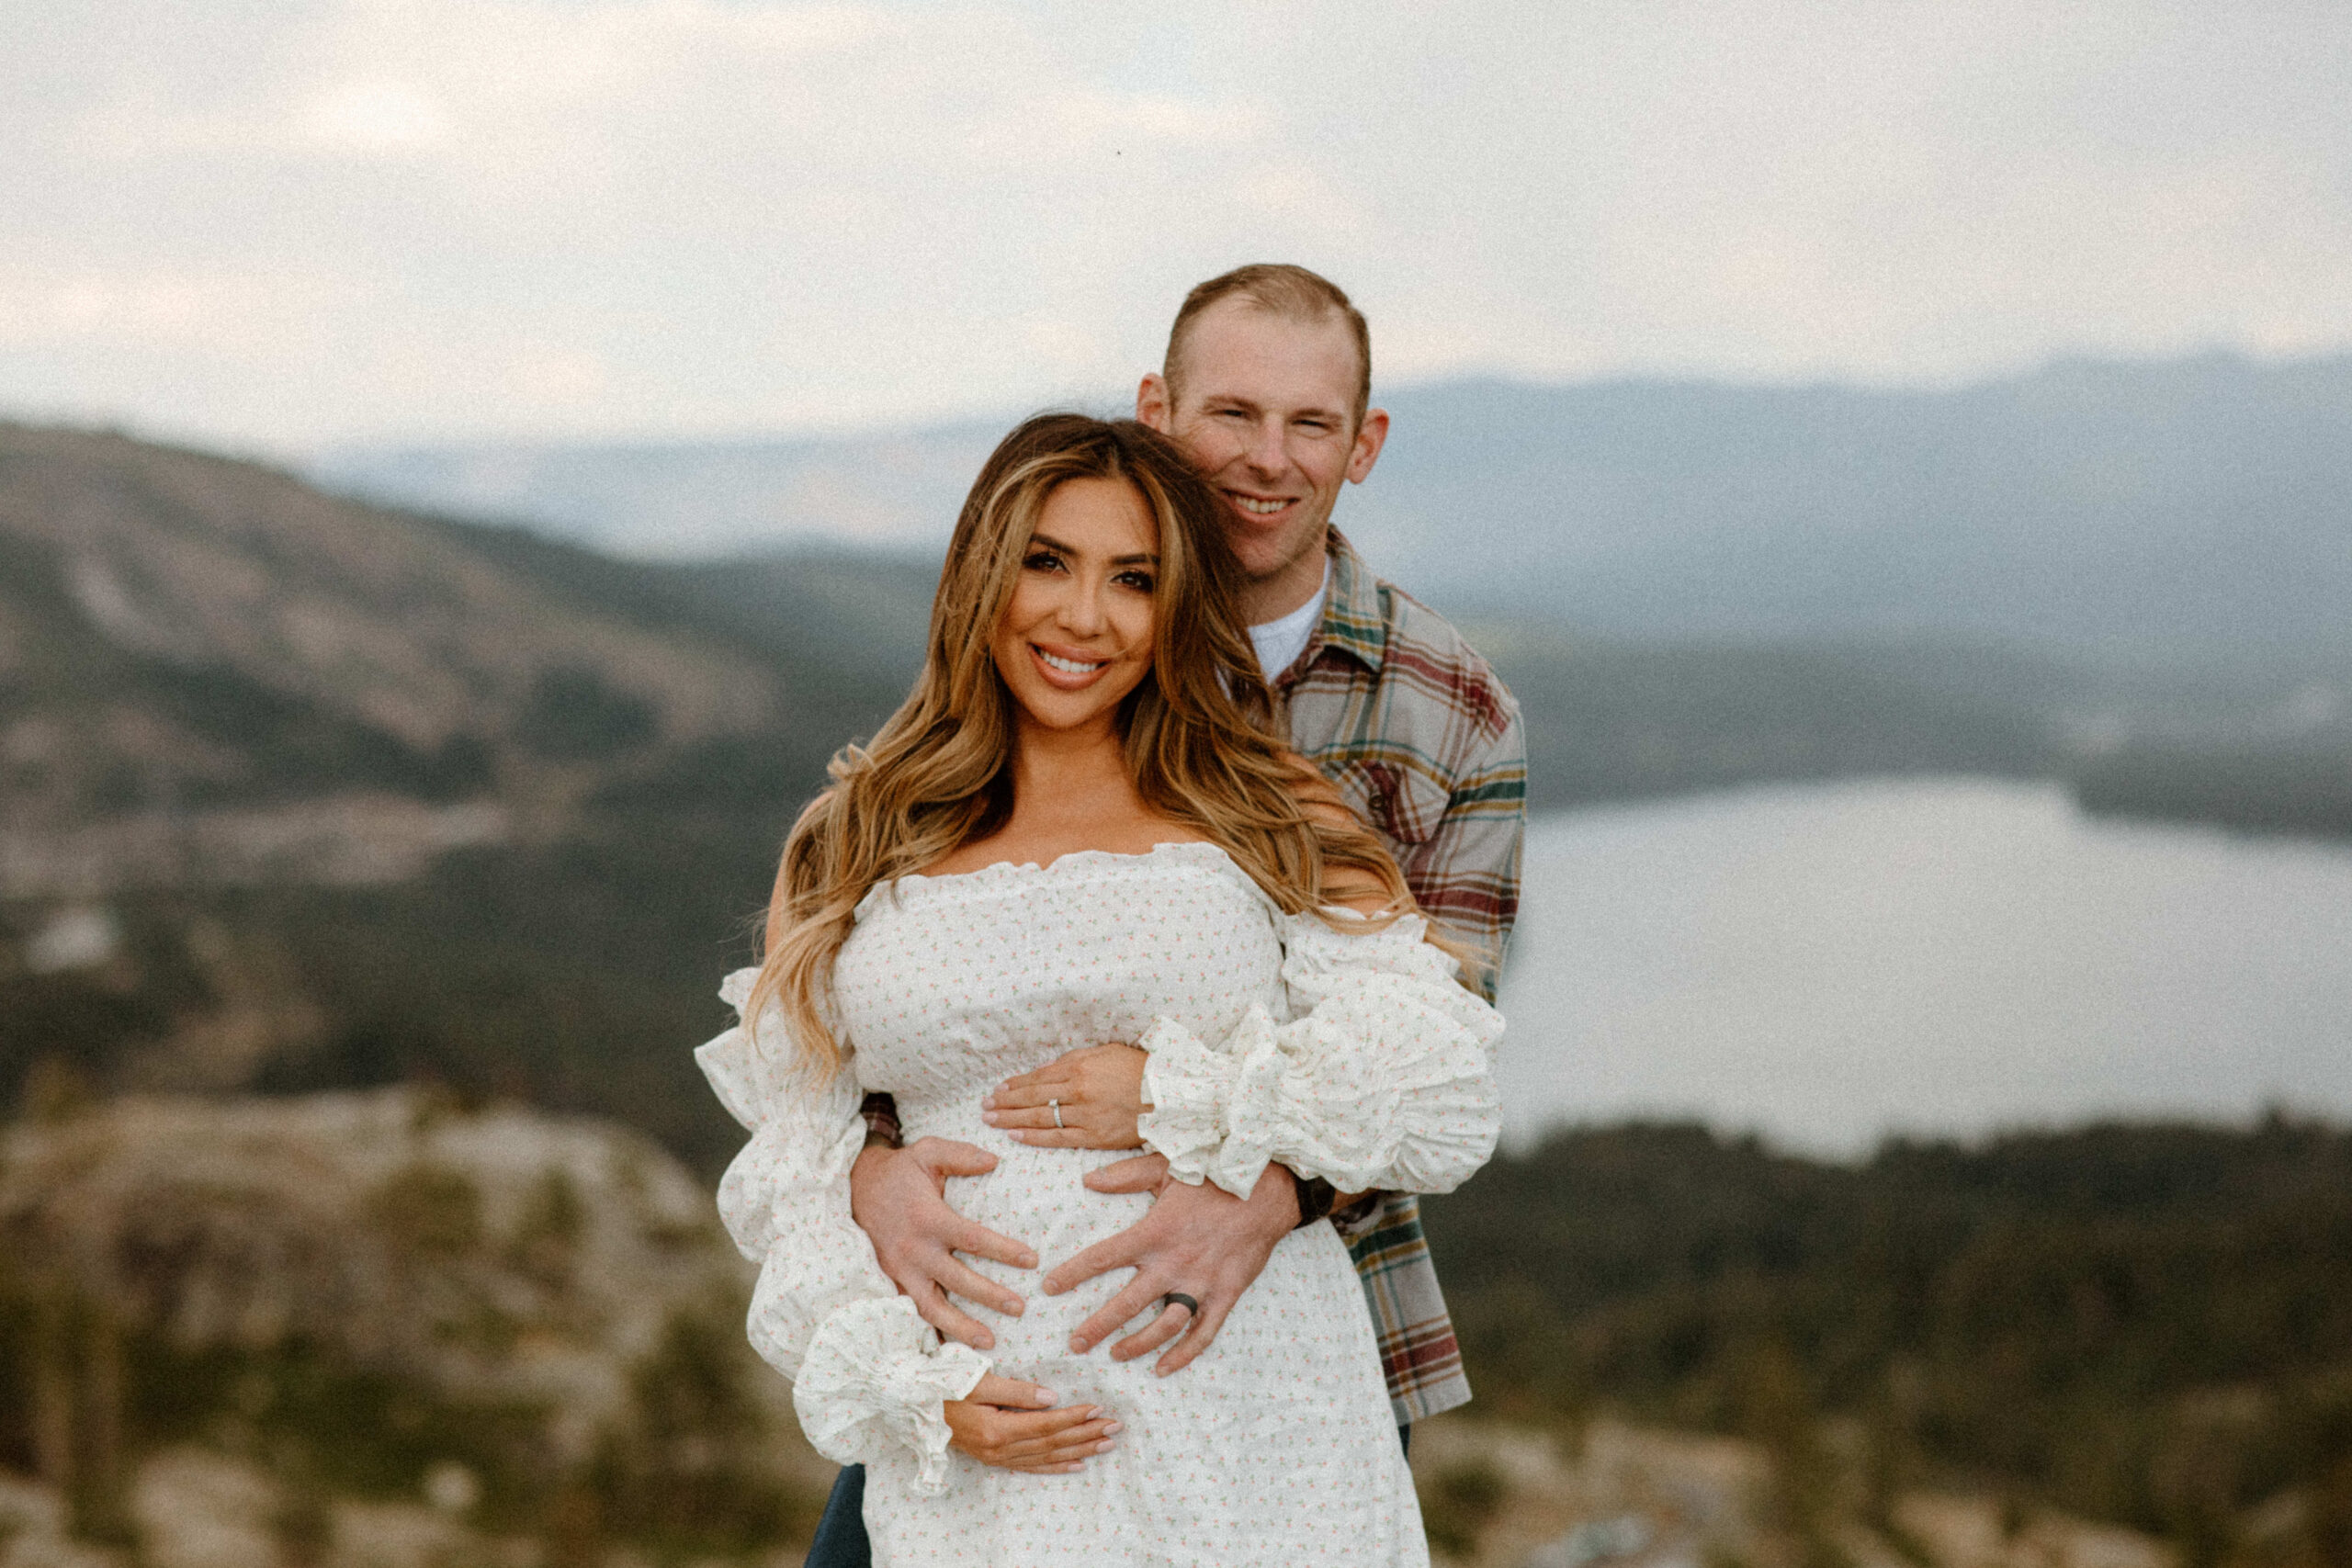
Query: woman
x=1079, y=829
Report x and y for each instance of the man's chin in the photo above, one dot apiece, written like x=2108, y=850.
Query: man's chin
x=1266, y=551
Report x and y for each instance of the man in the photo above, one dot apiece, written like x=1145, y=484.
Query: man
x=1267, y=382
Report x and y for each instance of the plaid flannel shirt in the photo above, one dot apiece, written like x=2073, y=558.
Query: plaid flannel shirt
x=1425, y=742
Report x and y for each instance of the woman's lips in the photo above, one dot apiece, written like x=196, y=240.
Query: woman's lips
x=1067, y=670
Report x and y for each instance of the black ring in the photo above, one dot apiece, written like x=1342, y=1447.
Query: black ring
x=1178, y=1298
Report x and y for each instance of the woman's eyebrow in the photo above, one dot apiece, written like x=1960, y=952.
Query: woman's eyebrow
x=1046, y=541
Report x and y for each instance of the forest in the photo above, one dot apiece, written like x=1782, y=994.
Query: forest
x=2138, y=1323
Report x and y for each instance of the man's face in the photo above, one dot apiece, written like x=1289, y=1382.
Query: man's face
x=1265, y=404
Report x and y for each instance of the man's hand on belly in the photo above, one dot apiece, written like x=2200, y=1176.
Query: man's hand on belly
x=1199, y=1240
x=895, y=1197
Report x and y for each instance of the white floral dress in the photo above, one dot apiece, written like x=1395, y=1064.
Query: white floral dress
x=1349, y=1056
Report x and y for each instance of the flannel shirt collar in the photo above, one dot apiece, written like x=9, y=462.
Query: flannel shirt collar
x=1355, y=620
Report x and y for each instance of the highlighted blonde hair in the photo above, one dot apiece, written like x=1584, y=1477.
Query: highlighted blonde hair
x=1198, y=732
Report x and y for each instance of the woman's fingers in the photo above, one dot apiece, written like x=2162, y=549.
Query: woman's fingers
x=1011, y=1394
x=1029, y=1440
x=1070, y=1137
x=1033, y=1089
x=1073, y=1442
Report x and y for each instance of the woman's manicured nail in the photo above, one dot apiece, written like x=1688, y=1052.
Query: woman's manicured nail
x=1113, y=1429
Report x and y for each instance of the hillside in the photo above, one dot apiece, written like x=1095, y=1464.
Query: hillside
x=298, y=793
x=2201, y=505
x=209, y=669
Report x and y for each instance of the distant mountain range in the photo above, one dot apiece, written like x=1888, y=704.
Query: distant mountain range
x=2197, y=506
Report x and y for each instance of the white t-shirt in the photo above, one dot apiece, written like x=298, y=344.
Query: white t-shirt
x=1279, y=643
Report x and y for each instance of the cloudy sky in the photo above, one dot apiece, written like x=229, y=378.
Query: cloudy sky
x=277, y=224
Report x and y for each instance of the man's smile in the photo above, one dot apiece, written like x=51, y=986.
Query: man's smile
x=1260, y=506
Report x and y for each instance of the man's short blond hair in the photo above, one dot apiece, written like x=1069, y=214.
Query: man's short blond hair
x=1280, y=290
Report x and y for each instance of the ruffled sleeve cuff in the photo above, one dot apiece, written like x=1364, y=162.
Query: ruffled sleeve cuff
x=873, y=1383
x=1194, y=1089
x=1382, y=1080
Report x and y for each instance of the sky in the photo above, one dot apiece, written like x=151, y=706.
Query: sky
x=277, y=226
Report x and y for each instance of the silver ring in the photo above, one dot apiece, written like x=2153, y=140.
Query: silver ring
x=1058, y=1112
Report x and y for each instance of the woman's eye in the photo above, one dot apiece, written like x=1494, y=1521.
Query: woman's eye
x=1042, y=561
x=1138, y=581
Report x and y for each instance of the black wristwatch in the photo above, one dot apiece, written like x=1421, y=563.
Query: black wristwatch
x=1316, y=1197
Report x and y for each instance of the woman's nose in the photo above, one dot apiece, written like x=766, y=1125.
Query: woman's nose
x=1082, y=609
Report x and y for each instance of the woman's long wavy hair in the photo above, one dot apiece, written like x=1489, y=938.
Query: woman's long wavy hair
x=1198, y=731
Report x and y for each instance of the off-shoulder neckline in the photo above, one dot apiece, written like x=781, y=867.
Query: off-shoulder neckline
x=1210, y=855
x=1172, y=848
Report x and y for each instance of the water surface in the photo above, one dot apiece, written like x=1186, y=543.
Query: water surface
x=1827, y=963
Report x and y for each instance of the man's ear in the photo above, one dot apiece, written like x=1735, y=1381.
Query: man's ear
x=1154, y=407
x=1371, y=436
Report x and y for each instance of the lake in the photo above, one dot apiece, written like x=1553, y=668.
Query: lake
x=1826, y=964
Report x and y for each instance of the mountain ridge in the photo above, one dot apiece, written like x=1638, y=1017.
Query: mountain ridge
x=2196, y=504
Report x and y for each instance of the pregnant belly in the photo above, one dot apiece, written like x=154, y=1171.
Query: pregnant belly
x=1039, y=1197
x=1303, y=1320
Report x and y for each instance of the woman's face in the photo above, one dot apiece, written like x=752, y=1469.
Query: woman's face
x=1076, y=638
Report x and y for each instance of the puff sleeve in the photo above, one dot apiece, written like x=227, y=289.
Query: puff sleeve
x=1382, y=1078
x=868, y=1374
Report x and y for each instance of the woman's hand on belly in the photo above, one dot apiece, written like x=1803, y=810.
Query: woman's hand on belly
x=1000, y=1424
x=1086, y=1098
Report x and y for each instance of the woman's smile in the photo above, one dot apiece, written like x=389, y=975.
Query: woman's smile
x=1068, y=668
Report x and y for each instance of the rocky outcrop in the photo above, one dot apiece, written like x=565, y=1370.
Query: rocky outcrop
x=521, y=1327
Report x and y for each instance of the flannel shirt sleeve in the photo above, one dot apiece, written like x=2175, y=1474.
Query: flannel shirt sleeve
x=1466, y=874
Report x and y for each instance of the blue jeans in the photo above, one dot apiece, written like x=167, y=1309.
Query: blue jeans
x=840, y=1534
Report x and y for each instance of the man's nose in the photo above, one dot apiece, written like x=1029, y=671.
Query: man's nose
x=1268, y=452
